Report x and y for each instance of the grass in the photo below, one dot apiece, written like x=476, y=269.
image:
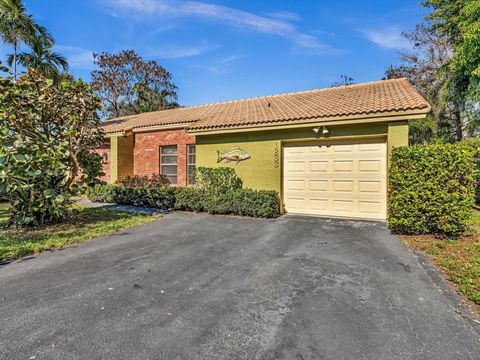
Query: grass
x=460, y=259
x=85, y=224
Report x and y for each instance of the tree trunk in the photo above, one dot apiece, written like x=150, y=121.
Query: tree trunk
x=458, y=125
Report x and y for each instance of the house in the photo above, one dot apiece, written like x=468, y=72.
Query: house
x=325, y=151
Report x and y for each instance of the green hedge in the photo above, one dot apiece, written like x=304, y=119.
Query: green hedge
x=431, y=189
x=217, y=191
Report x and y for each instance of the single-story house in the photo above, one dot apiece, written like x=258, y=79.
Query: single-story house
x=325, y=151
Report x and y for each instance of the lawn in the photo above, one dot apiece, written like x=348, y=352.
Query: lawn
x=86, y=223
x=460, y=259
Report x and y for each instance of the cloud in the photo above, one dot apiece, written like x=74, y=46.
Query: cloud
x=284, y=15
x=219, y=66
x=278, y=24
x=175, y=52
x=77, y=57
x=388, y=38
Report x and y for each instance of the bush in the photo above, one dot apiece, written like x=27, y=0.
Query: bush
x=431, y=189
x=474, y=142
x=245, y=202
x=102, y=193
x=136, y=181
x=206, y=197
x=216, y=181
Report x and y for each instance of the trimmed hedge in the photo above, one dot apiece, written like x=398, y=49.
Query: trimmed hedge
x=431, y=189
x=218, y=191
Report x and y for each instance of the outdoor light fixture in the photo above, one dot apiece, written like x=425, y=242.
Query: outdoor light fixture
x=324, y=129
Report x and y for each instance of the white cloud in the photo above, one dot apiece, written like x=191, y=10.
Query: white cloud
x=219, y=66
x=175, y=52
x=276, y=24
x=77, y=57
x=388, y=38
x=284, y=15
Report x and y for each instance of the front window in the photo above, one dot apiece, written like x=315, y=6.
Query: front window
x=168, y=163
x=192, y=159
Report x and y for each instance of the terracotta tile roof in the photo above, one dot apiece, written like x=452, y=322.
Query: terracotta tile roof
x=361, y=99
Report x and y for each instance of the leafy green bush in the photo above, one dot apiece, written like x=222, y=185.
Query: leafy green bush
x=207, y=198
x=216, y=181
x=245, y=202
x=190, y=199
x=102, y=193
x=136, y=181
x=47, y=131
x=431, y=189
x=474, y=142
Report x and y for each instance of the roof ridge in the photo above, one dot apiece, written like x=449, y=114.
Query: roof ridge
x=296, y=92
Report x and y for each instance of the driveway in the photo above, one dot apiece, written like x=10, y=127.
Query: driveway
x=203, y=287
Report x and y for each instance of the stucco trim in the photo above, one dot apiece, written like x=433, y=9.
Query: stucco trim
x=343, y=120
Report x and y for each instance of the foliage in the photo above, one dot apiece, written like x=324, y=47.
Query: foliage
x=474, y=142
x=218, y=191
x=245, y=202
x=91, y=167
x=431, y=189
x=102, y=193
x=136, y=181
x=43, y=59
x=127, y=84
x=426, y=67
x=216, y=181
x=17, y=27
x=44, y=130
x=460, y=259
x=86, y=223
x=459, y=20
x=345, y=80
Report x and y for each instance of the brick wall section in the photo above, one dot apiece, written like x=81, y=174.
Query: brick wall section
x=105, y=152
x=147, y=152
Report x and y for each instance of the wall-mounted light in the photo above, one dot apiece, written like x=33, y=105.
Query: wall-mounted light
x=324, y=130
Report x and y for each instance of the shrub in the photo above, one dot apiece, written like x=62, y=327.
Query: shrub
x=243, y=202
x=46, y=133
x=431, y=189
x=102, y=193
x=190, y=199
x=216, y=181
x=474, y=142
x=136, y=181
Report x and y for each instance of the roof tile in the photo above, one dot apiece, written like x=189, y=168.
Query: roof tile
x=361, y=99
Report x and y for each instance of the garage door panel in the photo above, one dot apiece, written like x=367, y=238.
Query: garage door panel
x=338, y=179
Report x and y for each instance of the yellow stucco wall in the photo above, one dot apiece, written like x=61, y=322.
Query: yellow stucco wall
x=121, y=157
x=263, y=171
x=397, y=135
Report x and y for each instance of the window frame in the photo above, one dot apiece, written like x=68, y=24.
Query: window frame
x=190, y=180
x=163, y=163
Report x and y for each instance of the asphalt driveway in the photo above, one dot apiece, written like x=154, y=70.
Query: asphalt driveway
x=203, y=287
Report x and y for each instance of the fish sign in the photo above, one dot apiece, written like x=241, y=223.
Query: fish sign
x=235, y=155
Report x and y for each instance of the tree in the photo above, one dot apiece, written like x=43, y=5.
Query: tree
x=43, y=59
x=426, y=67
x=459, y=20
x=345, y=80
x=47, y=132
x=129, y=85
x=17, y=27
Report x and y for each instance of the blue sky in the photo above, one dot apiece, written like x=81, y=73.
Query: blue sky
x=223, y=49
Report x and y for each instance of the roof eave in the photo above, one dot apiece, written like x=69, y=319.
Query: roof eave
x=326, y=121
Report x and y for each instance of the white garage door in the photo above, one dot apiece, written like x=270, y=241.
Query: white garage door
x=336, y=179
